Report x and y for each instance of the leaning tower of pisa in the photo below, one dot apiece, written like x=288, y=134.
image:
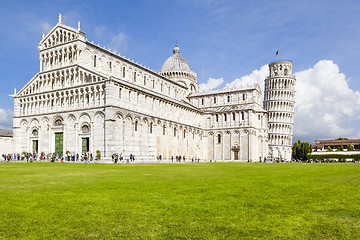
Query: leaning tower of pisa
x=279, y=102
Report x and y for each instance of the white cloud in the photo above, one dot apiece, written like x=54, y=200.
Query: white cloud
x=100, y=31
x=120, y=41
x=115, y=41
x=46, y=27
x=211, y=84
x=6, y=119
x=325, y=106
x=257, y=76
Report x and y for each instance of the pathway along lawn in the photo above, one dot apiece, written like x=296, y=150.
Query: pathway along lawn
x=179, y=201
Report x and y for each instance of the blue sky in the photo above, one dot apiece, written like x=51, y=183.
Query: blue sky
x=220, y=39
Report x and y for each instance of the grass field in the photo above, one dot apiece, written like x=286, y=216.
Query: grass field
x=179, y=201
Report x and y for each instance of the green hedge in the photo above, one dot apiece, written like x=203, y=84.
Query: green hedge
x=338, y=156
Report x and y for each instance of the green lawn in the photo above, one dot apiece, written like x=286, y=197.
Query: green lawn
x=179, y=201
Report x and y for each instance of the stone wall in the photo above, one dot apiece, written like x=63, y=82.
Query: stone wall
x=6, y=145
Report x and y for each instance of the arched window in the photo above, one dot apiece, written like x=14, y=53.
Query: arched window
x=184, y=133
x=244, y=96
x=35, y=133
x=94, y=60
x=219, y=138
x=174, y=132
x=58, y=123
x=144, y=80
x=164, y=131
x=110, y=66
x=151, y=125
x=202, y=101
x=225, y=117
x=85, y=129
x=228, y=98
x=134, y=76
x=242, y=116
x=123, y=72
x=217, y=117
x=234, y=117
x=214, y=99
x=136, y=125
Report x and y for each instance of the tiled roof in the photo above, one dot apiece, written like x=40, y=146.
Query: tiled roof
x=6, y=133
x=344, y=142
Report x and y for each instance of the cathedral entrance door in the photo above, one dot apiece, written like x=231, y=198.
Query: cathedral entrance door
x=35, y=146
x=236, y=155
x=59, y=137
x=85, y=144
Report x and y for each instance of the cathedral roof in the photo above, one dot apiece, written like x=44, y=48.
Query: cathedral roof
x=227, y=90
x=6, y=133
x=176, y=62
x=236, y=107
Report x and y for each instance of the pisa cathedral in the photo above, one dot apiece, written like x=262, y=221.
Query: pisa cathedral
x=87, y=98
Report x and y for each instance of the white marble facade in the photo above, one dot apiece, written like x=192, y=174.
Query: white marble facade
x=98, y=100
x=6, y=141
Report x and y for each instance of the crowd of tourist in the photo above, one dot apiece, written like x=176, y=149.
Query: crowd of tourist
x=118, y=158
x=182, y=159
x=50, y=157
x=84, y=157
x=279, y=160
x=332, y=160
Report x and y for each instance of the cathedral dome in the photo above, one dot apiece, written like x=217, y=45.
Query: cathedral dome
x=176, y=63
x=177, y=69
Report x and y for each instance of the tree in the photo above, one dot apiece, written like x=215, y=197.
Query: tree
x=341, y=138
x=329, y=149
x=350, y=147
x=98, y=154
x=340, y=149
x=295, y=150
x=301, y=150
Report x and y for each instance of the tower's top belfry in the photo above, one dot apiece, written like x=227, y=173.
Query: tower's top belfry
x=280, y=69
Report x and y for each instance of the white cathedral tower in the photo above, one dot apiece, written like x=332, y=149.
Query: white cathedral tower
x=279, y=103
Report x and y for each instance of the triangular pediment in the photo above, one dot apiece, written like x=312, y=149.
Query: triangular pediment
x=28, y=88
x=60, y=34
